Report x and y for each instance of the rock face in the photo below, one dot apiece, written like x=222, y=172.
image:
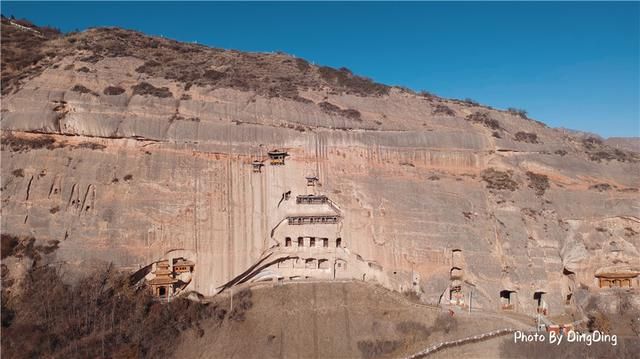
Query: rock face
x=124, y=161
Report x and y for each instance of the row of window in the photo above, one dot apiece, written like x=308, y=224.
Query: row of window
x=312, y=242
x=311, y=199
x=313, y=219
x=309, y=263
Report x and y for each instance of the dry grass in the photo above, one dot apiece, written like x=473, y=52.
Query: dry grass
x=370, y=349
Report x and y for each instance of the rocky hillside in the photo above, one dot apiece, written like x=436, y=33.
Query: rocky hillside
x=124, y=148
x=627, y=143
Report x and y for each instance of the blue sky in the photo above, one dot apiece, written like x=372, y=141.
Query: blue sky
x=573, y=65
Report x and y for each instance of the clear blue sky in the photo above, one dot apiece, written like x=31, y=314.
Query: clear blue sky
x=573, y=65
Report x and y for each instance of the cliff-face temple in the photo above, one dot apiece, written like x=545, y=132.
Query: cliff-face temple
x=323, y=176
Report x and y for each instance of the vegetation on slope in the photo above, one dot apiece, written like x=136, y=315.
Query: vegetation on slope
x=24, y=52
x=268, y=74
x=102, y=315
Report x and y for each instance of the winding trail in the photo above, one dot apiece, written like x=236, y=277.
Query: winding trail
x=473, y=339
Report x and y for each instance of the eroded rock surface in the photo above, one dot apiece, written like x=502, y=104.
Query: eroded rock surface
x=124, y=160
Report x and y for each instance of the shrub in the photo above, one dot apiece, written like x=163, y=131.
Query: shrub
x=213, y=75
x=83, y=90
x=21, y=144
x=441, y=109
x=145, y=88
x=102, y=315
x=598, y=151
x=539, y=182
x=24, y=53
x=610, y=154
x=18, y=172
x=91, y=145
x=148, y=67
x=22, y=246
x=518, y=112
x=332, y=109
x=241, y=304
x=113, y=90
x=601, y=187
x=562, y=153
x=8, y=245
x=83, y=69
x=302, y=65
x=499, y=180
x=349, y=82
x=527, y=137
x=591, y=143
x=484, y=119
x=471, y=102
x=600, y=322
x=93, y=58
x=630, y=232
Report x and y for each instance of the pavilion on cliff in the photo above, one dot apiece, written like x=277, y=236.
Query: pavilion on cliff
x=277, y=157
x=163, y=284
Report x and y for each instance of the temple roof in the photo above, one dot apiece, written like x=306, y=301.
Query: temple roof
x=617, y=275
x=277, y=152
x=162, y=280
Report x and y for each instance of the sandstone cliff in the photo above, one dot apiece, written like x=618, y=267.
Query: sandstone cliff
x=127, y=148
